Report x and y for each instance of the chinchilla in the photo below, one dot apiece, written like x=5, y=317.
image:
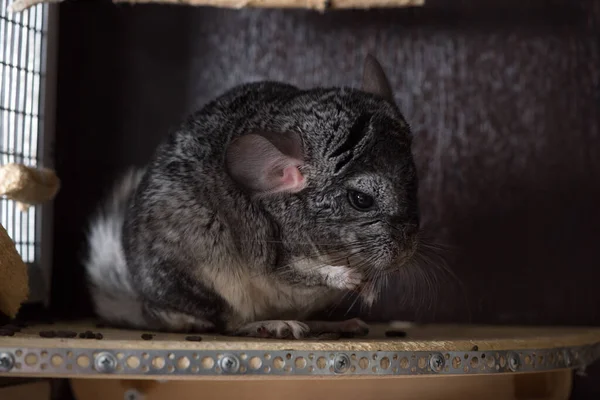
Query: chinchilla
x=267, y=205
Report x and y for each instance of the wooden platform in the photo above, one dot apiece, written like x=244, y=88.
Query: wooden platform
x=84, y=350
x=416, y=338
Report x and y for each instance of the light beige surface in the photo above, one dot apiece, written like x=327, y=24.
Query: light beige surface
x=20, y=5
x=554, y=385
x=418, y=338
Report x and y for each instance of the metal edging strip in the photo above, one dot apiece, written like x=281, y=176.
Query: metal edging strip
x=102, y=361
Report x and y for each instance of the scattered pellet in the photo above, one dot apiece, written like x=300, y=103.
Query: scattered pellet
x=328, y=336
x=48, y=334
x=395, y=333
x=99, y=336
x=66, y=334
x=87, y=335
x=193, y=338
x=147, y=336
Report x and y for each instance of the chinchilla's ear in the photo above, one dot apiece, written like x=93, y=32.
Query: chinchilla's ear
x=266, y=163
x=374, y=79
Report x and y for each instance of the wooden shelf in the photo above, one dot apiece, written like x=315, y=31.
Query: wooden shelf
x=424, y=350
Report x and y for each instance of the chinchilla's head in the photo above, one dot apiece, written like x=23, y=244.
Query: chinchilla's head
x=337, y=175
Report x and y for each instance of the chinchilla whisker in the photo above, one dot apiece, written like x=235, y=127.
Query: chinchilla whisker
x=345, y=295
x=429, y=257
x=284, y=242
x=286, y=270
x=289, y=270
x=349, y=250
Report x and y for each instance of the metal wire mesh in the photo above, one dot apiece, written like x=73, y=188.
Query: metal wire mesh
x=22, y=48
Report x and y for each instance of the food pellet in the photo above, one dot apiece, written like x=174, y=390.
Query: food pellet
x=147, y=336
x=395, y=333
x=328, y=336
x=66, y=334
x=6, y=332
x=47, y=334
x=99, y=336
x=193, y=338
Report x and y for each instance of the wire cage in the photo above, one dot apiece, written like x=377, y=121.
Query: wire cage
x=24, y=138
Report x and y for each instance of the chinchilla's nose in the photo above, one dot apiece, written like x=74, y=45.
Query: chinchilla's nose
x=404, y=228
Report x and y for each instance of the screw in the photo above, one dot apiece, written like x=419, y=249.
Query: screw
x=230, y=363
x=436, y=362
x=132, y=394
x=341, y=363
x=105, y=362
x=7, y=362
x=567, y=357
x=513, y=361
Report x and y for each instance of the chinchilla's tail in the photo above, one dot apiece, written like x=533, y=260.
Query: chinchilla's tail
x=114, y=297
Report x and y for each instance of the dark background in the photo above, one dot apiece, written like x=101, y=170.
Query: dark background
x=502, y=97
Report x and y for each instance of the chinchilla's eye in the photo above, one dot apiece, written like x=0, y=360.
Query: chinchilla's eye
x=360, y=201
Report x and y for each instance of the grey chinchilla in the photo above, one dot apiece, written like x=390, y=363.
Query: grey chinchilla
x=268, y=204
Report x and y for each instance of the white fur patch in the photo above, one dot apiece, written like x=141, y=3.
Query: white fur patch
x=113, y=296
x=183, y=322
x=341, y=277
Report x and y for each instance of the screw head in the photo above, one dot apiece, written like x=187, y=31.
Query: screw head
x=341, y=363
x=514, y=362
x=230, y=363
x=436, y=362
x=7, y=362
x=105, y=363
x=132, y=394
x=568, y=359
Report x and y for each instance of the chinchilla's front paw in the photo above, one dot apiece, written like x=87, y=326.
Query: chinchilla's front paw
x=274, y=330
x=354, y=326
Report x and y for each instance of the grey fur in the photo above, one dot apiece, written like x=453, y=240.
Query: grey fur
x=205, y=250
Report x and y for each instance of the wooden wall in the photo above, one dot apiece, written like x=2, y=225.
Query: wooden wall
x=503, y=99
